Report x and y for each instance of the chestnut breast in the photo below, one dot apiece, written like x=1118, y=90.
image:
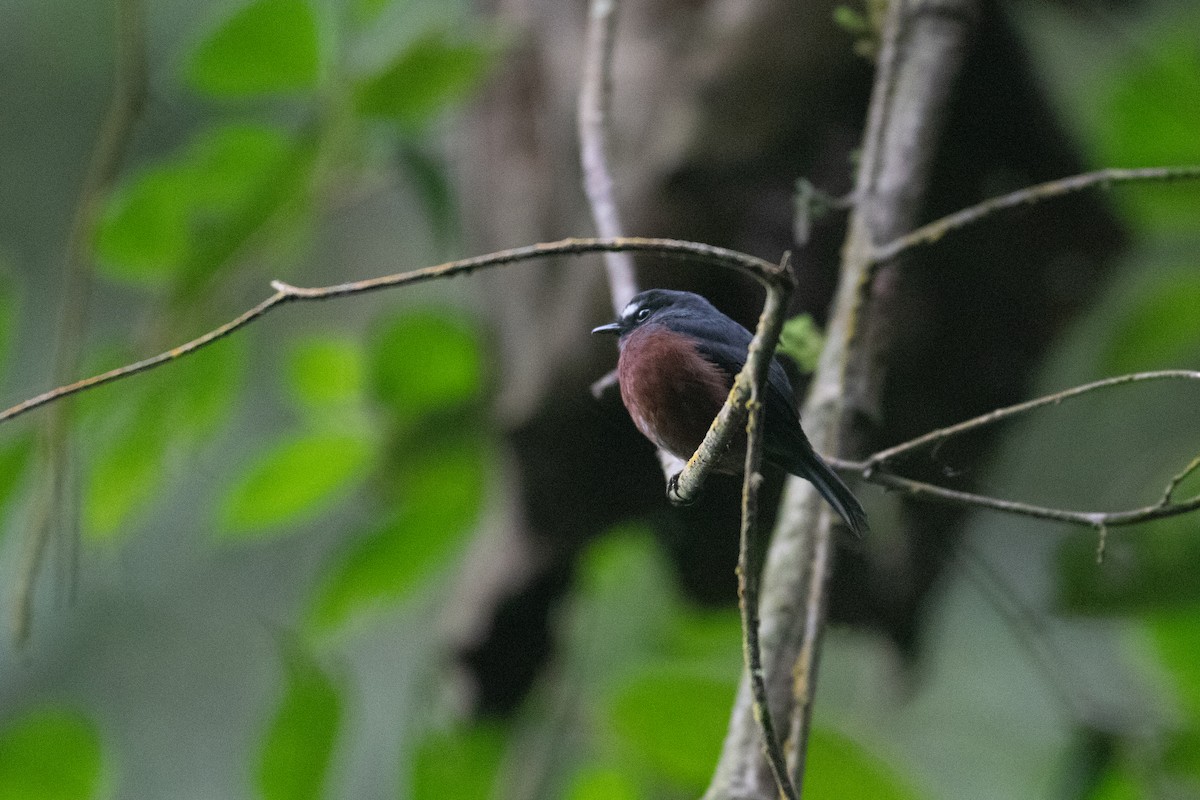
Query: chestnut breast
x=672, y=392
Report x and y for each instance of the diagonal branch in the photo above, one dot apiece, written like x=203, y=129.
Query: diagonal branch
x=763, y=271
x=881, y=458
x=939, y=494
x=934, y=231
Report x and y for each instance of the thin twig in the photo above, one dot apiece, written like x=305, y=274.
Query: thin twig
x=1093, y=519
x=881, y=458
x=124, y=110
x=758, y=361
x=1177, y=479
x=873, y=468
x=594, y=98
x=804, y=670
x=764, y=271
x=933, y=231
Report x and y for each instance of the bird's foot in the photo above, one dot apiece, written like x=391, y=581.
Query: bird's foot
x=673, y=492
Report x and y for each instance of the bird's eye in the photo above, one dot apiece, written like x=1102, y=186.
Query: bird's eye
x=642, y=314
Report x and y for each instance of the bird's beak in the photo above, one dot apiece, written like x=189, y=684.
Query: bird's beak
x=612, y=327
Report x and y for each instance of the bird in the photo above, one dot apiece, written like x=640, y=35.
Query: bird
x=678, y=359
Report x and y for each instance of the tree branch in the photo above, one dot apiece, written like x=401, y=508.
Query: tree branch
x=753, y=376
x=763, y=271
x=932, y=232
x=881, y=458
x=594, y=97
x=923, y=44
x=1093, y=519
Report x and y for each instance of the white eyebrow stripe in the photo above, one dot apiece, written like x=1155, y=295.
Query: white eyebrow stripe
x=629, y=310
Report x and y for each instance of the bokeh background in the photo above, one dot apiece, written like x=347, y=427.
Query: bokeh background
x=391, y=546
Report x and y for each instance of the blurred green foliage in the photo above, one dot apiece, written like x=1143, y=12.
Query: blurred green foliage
x=1152, y=113
x=327, y=373
x=641, y=703
x=801, y=341
x=460, y=763
x=603, y=783
x=268, y=46
x=295, y=478
x=1148, y=569
x=133, y=440
x=1160, y=328
x=50, y=754
x=434, y=70
x=673, y=723
x=181, y=219
x=299, y=744
x=424, y=362
x=441, y=496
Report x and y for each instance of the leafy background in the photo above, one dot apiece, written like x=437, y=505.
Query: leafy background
x=270, y=528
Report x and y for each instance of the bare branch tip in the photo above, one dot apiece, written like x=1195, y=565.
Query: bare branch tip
x=1101, y=542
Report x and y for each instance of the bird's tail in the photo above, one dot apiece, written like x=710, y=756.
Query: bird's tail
x=813, y=468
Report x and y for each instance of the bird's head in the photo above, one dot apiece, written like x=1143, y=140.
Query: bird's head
x=658, y=306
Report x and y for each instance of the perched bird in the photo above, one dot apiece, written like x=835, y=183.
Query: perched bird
x=679, y=357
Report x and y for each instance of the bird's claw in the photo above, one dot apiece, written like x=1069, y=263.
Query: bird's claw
x=673, y=491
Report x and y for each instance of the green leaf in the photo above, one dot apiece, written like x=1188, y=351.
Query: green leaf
x=621, y=609
x=850, y=20
x=1151, y=119
x=459, y=764
x=326, y=372
x=838, y=767
x=1118, y=785
x=14, y=458
x=1176, y=637
x=270, y=186
x=174, y=408
x=442, y=497
x=203, y=387
x=268, y=46
x=674, y=722
x=186, y=216
x=143, y=235
x=429, y=75
x=123, y=477
x=299, y=744
x=228, y=163
x=603, y=784
x=51, y=754
x=1181, y=755
x=425, y=361
x=1162, y=329
x=428, y=176
x=294, y=480
x=801, y=341
x=1152, y=568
